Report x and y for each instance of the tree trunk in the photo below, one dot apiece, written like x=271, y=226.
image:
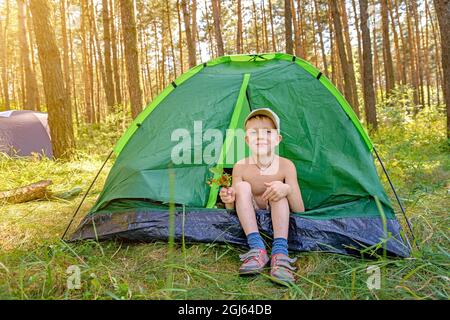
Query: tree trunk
x=399, y=64
x=387, y=55
x=443, y=14
x=194, y=24
x=115, y=58
x=320, y=31
x=209, y=28
x=180, y=37
x=266, y=34
x=437, y=70
x=109, y=82
x=358, y=35
x=274, y=42
x=403, y=43
x=369, y=93
x=255, y=25
x=346, y=70
x=414, y=75
x=297, y=43
x=31, y=87
x=217, y=27
x=348, y=46
x=172, y=49
x=86, y=75
x=4, y=57
x=58, y=106
x=65, y=45
x=288, y=27
x=131, y=56
x=189, y=41
x=239, y=28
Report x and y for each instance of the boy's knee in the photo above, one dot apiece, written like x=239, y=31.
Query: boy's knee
x=243, y=188
x=282, y=201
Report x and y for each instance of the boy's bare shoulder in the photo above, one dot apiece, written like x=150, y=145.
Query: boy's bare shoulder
x=287, y=164
x=240, y=165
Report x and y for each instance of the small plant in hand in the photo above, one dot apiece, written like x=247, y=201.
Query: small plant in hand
x=224, y=181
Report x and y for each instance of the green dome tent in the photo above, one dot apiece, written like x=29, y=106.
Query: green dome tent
x=321, y=135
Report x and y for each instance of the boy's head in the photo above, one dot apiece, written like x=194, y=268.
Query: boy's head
x=262, y=127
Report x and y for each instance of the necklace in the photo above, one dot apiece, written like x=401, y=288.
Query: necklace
x=266, y=167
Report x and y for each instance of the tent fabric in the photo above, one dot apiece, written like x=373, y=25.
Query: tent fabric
x=25, y=132
x=321, y=135
x=352, y=236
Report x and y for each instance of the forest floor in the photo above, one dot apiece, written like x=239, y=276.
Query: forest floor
x=34, y=262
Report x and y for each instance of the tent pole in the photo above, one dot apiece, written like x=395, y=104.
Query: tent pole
x=85, y=195
x=396, y=195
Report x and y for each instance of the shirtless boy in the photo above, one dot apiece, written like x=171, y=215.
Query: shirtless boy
x=264, y=181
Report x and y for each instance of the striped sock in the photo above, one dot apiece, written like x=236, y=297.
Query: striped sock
x=280, y=245
x=255, y=241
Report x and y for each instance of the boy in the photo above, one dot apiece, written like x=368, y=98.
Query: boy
x=262, y=181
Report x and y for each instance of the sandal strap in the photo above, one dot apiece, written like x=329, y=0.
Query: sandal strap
x=284, y=261
x=252, y=254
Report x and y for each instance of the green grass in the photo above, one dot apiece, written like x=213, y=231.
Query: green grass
x=33, y=261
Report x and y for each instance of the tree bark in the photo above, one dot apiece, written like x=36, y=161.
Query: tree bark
x=320, y=31
x=369, y=93
x=288, y=27
x=349, y=50
x=86, y=75
x=31, y=87
x=65, y=44
x=115, y=58
x=109, y=82
x=239, y=28
x=346, y=70
x=266, y=34
x=180, y=37
x=172, y=48
x=274, y=40
x=187, y=27
x=255, y=25
x=443, y=14
x=297, y=43
x=131, y=56
x=4, y=57
x=387, y=55
x=58, y=106
x=217, y=27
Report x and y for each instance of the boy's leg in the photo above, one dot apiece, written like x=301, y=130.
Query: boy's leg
x=280, y=218
x=244, y=207
x=255, y=260
x=280, y=265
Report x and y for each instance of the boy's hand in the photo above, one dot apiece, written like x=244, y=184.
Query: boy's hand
x=227, y=195
x=276, y=190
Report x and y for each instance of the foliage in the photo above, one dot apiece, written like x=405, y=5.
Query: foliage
x=33, y=260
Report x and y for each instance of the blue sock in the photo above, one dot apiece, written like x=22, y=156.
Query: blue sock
x=255, y=241
x=280, y=245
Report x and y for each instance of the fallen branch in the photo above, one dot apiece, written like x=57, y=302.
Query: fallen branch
x=37, y=190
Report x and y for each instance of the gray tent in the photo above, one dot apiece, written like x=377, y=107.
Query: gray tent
x=24, y=132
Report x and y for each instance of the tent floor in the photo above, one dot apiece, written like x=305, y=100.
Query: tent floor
x=351, y=235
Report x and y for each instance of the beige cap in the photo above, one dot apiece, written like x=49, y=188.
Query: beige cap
x=265, y=112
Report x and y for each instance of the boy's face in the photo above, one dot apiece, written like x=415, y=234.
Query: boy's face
x=261, y=135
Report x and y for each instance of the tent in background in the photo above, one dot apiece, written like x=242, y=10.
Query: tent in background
x=24, y=132
x=321, y=135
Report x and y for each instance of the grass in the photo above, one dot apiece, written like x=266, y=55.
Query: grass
x=34, y=262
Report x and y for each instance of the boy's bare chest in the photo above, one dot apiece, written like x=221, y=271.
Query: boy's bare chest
x=256, y=178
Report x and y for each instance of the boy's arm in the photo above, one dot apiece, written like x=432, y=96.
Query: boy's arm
x=294, y=197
